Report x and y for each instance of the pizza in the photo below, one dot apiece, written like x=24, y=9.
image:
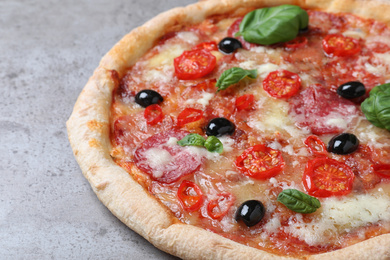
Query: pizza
x=246, y=129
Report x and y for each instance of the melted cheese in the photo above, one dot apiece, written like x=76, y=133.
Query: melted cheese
x=166, y=55
x=204, y=100
x=340, y=215
x=274, y=118
x=157, y=158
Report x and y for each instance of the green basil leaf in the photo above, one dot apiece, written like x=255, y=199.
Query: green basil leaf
x=273, y=24
x=298, y=201
x=376, y=107
x=192, y=140
x=213, y=144
x=233, y=76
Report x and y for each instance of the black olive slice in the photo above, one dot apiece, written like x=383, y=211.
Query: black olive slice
x=250, y=212
x=220, y=126
x=228, y=45
x=344, y=143
x=351, y=90
x=148, y=97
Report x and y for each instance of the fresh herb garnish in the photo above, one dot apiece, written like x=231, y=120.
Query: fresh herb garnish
x=298, y=201
x=233, y=76
x=376, y=107
x=273, y=24
x=192, y=140
x=212, y=143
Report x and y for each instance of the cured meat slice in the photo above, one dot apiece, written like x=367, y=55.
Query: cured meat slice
x=322, y=111
x=166, y=161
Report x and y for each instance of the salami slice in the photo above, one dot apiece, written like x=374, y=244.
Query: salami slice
x=163, y=160
x=322, y=111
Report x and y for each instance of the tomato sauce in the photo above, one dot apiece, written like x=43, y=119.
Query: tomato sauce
x=205, y=189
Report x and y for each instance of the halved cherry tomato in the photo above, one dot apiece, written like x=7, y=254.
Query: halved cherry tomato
x=190, y=196
x=217, y=208
x=298, y=42
x=324, y=177
x=282, y=84
x=316, y=145
x=153, y=114
x=260, y=162
x=211, y=46
x=340, y=45
x=245, y=102
x=189, y=115
x=382, y=170
x=194, y=64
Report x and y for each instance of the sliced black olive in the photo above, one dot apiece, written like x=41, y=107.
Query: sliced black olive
x=250, y=212
x=229, y=45
x=148, y=97
x=352, y=89
x=220, y=126
x=304, y=30
x=344, y=143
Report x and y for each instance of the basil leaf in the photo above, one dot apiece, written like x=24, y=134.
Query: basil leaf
x=298, y=201
x=192, y=140
x=273, y=24
x=376, y=107
x=213, y=144
x=233, y=76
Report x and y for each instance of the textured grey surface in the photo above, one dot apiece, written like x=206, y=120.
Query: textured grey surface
x=48, y=49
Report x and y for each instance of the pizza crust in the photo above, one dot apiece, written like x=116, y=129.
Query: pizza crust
x=88, y=130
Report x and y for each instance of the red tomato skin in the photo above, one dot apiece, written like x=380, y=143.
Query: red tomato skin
x=298, y=42
x=183, y=197
x=214, y=203
x=194, y=64
x=265, y=174
x=279, y=80
x=211, y=46
x=382, y=170
x=314, y=140
x=340, y=45
x=189, y=115
x=245, y=102
x=309, y=175
x=157, y=117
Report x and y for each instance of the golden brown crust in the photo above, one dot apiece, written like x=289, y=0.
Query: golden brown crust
x=88, y=129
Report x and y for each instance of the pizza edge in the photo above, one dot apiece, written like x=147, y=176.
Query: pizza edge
x=89, y=130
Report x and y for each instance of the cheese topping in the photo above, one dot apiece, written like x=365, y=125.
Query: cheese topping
x=157, y=158
x=340, y=215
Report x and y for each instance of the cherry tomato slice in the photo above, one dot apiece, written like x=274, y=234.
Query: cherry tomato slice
x=211, y=46
x=325, y=177
x=245, y=102
x=296, y=43
x=194, y=64
x=382, y=170
x=217, y=208
x=316, y=145
x=260, y=162
x=190, y=196
x=340, y=45
x=282, y=84
x=153, y=114
x=189, y=115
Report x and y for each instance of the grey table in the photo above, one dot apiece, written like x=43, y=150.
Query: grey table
x=48, y=49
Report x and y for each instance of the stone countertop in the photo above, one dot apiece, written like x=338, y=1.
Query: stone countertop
x=48, y=50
